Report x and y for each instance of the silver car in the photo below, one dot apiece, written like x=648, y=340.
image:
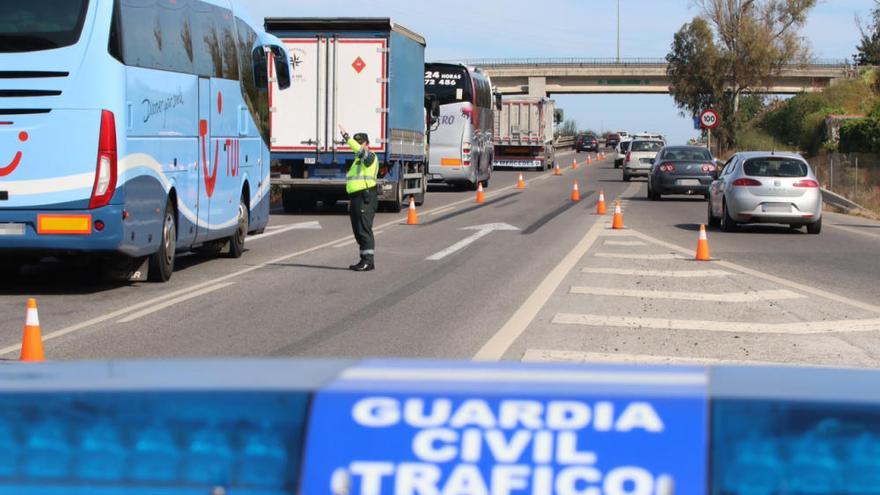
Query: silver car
x=766, y=187
x=640, y=157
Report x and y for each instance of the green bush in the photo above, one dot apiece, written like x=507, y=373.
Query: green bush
x=860, y=136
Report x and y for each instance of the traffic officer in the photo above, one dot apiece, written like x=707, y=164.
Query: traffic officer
x=360, y=184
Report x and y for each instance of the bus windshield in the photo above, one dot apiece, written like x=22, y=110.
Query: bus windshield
x=40, y=24
x=450, y=84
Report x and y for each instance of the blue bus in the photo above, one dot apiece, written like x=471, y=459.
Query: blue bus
x=133, y=130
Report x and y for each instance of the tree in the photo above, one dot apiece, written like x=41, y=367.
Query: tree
x=568, y=128
x=734, y=48
x=868, y=51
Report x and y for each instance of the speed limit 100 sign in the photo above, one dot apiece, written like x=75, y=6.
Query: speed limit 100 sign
x=709, y=119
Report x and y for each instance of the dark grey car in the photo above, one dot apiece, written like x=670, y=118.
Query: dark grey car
x=682, y=170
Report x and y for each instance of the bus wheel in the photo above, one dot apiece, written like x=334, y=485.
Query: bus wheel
x=236, y=242
x=162, y=261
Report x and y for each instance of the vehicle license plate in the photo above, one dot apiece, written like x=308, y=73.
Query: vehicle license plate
x=688, y=182
x=777, y=208
x=310, y=160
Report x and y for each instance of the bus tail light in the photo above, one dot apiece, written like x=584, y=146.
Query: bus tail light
x=105, y=170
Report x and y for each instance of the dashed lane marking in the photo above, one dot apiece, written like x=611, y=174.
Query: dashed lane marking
x=657, y=273
x=576, y=357
x=630, y=256
x=639, y=323
x=624, y=243
x=731, y=297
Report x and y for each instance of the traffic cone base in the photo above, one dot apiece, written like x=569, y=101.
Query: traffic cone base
x=617, y=221
x=575, y=193
x=412, y=218
x=703, y=246
x=481, y=197
x=32, y=340
x=600, y=206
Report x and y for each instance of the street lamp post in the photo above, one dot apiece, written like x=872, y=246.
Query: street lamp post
x=618, y=31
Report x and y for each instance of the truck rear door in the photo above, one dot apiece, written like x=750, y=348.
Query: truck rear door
x=335, y=81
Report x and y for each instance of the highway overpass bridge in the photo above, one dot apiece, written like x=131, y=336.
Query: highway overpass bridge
x=546, y=76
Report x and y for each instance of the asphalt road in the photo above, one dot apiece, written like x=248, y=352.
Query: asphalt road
x=551, y=282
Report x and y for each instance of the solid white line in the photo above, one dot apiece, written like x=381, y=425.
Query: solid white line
x=624, y=243
x=313, y=225
x=167, y=304
x=529, y=376
x=552, y=356
x=772, y=278
x=633, y=322
x=853, y=230
x=628, y=256
x=657, y=273
x=733, y=297
x=495, y=348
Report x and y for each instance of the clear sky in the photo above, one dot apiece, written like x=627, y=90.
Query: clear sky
x=465, y=29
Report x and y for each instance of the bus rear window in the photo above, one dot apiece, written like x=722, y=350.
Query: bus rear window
x=40, y=24
x=450, y=85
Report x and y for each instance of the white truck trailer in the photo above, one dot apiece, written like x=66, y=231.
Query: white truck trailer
x=524, y=134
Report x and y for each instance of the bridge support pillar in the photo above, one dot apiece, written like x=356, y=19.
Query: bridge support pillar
x=538, y=87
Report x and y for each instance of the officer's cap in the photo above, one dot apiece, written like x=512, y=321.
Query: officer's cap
x=362, y=137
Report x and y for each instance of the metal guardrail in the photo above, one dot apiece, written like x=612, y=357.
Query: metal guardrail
x=610, y=62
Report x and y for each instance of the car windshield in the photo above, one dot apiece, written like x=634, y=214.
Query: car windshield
x=775, y=167
x=40, y=24
x=646, y=146
x=687, y=154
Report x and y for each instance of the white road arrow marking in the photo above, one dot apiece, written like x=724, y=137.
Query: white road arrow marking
x=313, y=225
x=481, y=231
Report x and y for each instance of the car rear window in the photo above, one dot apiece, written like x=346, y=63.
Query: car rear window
x=775, y=167
x=646, y=146
x=687, y=155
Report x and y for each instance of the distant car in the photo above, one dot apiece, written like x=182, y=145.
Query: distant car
x=766, y=187
x=612, y=140
x=640, y=157
x=622, y=149
x=682, y=170
x=586, y=142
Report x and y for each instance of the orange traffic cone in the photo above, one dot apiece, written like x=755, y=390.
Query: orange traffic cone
x=519, y=183
x=32, y=341
x=574, y=164
x=412, y=218
x=481, y=197
x=575, y=193
x=589, y=160
x=600, y=206
x=556, y=170
x=703, y=246
x=617, y=221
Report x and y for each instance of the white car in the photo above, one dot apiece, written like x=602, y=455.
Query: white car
x=621, y=150
x=640, y=157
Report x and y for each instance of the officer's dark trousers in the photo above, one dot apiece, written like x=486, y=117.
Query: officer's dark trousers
x=362, y=210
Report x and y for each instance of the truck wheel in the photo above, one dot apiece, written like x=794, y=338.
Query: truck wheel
x=236, y=242
x=162, y=261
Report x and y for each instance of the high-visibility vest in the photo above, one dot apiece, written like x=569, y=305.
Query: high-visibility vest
x=361, y=176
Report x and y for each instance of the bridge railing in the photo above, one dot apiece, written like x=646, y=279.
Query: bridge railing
x=610, y=62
